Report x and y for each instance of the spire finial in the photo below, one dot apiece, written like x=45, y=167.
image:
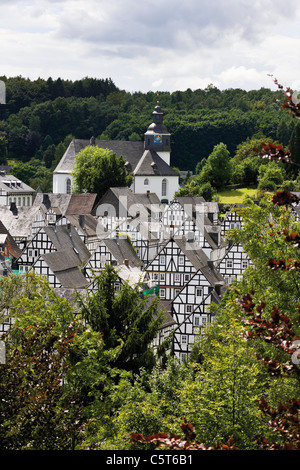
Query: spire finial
x=157, y=94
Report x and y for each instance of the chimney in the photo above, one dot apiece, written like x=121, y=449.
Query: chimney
x=14, y=208
x=126, y=262
x=46, y=200
x=81, y=221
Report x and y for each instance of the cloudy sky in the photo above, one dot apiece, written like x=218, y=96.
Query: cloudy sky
x=164, y=45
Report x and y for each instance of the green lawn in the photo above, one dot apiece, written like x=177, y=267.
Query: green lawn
x=235, y=196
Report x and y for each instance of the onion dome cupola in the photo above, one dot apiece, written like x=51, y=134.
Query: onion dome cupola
x=157, y=137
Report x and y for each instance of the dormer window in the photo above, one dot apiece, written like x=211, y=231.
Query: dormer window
x=146, y=182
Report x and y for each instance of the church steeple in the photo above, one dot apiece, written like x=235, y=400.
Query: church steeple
x=157, y=137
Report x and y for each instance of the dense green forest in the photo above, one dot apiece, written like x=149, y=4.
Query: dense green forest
x=40, y=118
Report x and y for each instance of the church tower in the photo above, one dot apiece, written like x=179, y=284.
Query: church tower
x=157, y=137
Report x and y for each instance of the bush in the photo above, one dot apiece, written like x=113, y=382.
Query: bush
x=267, y=185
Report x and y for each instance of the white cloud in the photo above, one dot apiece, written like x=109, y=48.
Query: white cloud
x=144, y=46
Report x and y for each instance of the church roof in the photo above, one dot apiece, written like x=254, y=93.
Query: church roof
x=151, y=164
x=130, y=151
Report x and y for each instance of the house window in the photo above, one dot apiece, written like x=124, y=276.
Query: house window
x=68, y=186
x=164, y=187
x=183, y=357
x=197, y=321
x=146, y=182
x=199, y=292
x=244, y=264
x=188, y=308
x=162, y=259
x=162, y=293
x=183, y=339
x=162, y=277
x=229, y=263
x=177, y=277
x=186, y=278
x=181, y=260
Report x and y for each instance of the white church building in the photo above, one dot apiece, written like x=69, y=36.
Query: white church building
x=148, y=161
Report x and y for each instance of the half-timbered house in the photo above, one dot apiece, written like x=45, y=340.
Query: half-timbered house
x=234, y=263
x=61, y=256
x=190, y=307
x=114, y=251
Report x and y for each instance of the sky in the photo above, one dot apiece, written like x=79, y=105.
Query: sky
x=164, y=45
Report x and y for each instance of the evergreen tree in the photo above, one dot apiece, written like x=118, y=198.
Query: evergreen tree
x=123, y=318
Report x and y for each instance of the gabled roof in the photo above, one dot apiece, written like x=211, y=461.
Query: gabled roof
x=11, y=184
x=66, y=239
x=122, y=199
x=46, y=201
x=151, y=164
x=198, y=202
x=121, y=249
x=64, y=265
x=13, y=248
x=71, y=254
x=86, y=223
x=19, y=224
x=81, y=204
x=130, y=151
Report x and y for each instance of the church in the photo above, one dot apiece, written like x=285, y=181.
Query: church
x=148, y=161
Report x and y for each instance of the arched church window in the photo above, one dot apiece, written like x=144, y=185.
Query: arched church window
x=164, y=187
x=146, y=182
x=68, y=186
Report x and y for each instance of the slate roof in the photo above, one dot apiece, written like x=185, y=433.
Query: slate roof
x=45, y=201
x=151, y=164
x=81, y=204
x=64, y=265
x=130, y=151
x=13, y=185
x=71, y=254
x=116, y=197
x=86, y=223
x=65, y=239
x=19, y=224
x=122, y=249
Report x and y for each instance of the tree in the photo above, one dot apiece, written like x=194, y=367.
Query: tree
x=217, y=169
x=123, y=319
x=96, y=170
x=294, y=144
x=34, y=412
x=3, y=150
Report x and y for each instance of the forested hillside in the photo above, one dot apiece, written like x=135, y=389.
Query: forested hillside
x=41, y=116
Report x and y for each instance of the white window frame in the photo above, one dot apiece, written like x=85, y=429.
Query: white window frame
x=229, y=263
